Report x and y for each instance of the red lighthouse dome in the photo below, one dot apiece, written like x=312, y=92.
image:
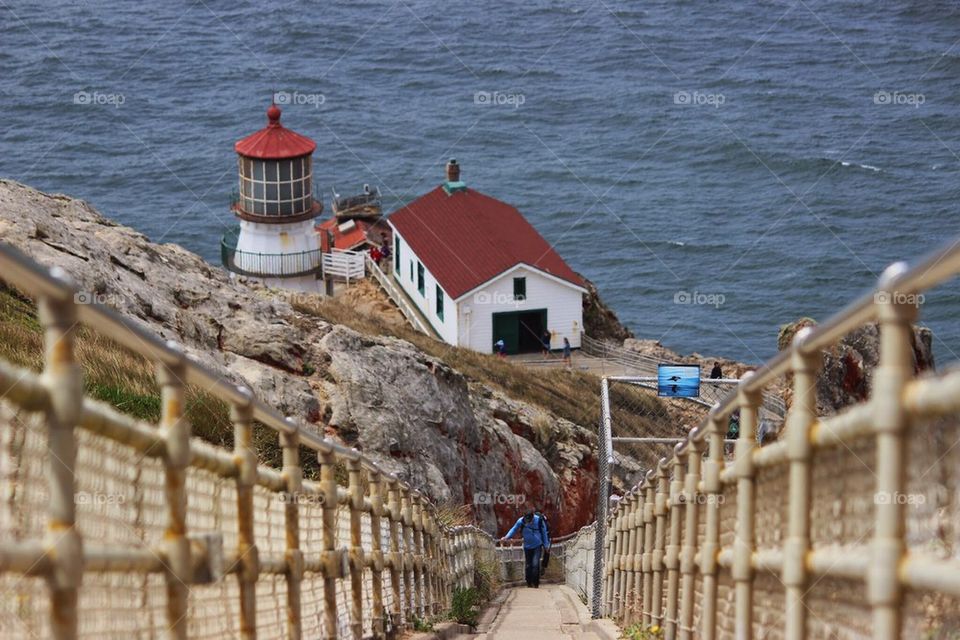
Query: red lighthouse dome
x=274, y=141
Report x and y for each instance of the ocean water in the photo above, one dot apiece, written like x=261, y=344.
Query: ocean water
x=716, y=168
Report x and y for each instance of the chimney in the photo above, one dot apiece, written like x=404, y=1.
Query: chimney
x=453, y=171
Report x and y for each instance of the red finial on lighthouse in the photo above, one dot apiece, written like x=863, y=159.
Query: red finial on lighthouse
x=273, y=114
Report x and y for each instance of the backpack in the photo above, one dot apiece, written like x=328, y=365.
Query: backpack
x=546, y=524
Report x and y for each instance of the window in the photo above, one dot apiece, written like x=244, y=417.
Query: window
x=396, y=253
x=519, y=288
x=276, y=187
x=439, y=302
x=420, y=283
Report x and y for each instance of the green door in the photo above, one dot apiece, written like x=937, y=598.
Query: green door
x=506, y=327
x=521, y=330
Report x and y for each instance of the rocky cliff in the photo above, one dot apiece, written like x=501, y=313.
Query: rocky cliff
x=600, y=321
x=459, y=440
x=847, y=372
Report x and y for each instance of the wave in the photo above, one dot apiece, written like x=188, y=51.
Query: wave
x=869, y=167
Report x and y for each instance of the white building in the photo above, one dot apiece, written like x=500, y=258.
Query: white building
x=276, y=242
x=479, y=272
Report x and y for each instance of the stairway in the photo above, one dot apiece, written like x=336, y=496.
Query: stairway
x=403, y=302
x=547, y=613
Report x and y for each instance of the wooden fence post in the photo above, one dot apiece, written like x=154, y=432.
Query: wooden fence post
x=646, y=560
x=688, y=552
x=355, y=554
x=64, y=383
x=176, y=429
x=332, y=566
x=897, y=311
x=743, y=545
x=247, y=557
x=711, y=543
x=802, y=415
x=376, y=552
x=672, y=557
x=293, y=477
x=660, y=510
x=396, y=559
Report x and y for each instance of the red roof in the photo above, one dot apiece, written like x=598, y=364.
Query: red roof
x=467, y=238
x=275, y=142
x=356, y=233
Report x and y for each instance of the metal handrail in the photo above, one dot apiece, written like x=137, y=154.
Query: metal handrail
x=690, y=484
x=429, y=559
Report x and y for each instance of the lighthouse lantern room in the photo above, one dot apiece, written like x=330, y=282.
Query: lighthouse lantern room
x=275, y=242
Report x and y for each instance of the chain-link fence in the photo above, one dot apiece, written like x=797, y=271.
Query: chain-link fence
x=638, y=428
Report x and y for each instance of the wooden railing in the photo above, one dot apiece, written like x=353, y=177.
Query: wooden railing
x=112, y=527
x=396, y=294
x=848, y=526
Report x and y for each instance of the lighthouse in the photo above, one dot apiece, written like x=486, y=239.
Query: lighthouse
x=275, y=242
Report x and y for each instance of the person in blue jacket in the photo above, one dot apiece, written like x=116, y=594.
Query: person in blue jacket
x=536, y=537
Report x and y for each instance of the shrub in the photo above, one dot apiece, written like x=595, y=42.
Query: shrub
x=465, y=606
x=486, y=575
x=639, y=632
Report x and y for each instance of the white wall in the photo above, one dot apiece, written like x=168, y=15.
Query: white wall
x=427, y=303
x=564, y=305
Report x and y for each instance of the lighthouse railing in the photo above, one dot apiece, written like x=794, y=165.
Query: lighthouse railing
x=267, y=265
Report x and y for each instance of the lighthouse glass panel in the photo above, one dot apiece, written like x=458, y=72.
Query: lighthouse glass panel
x=276, y=188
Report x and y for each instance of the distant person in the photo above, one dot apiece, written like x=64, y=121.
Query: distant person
x=566, y=352
x=716, y=373
x=536, y=539
x=545, y=341
x=375, y=255
x=500, y=348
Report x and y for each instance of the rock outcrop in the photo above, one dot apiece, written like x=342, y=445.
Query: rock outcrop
x=847, y=372
x=457, y=440
x=600, y=321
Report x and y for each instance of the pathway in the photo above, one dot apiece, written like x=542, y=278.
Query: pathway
x=549, y=613
x=579, y=362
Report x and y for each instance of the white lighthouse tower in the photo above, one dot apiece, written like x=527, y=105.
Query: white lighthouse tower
x=276, y=242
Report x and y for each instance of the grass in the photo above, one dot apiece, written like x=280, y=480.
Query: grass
x=127, y=381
